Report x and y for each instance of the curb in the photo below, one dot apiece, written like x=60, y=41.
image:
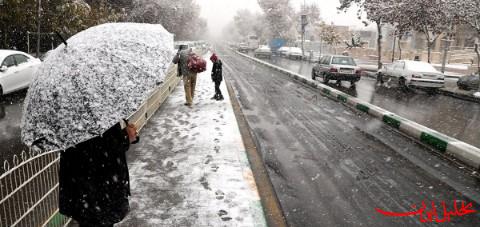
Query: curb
x=459, y=96
x=444, y=144
x=272, y=208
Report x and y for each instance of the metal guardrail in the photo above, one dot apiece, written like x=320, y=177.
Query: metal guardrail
x=29, y=189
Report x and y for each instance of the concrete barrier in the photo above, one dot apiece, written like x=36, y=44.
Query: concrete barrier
x=444, y=144
x=158, y=96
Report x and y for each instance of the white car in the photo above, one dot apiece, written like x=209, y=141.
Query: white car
x=294, y=53
x=263, y=52
x=283, y=51
x=16, y=70
x=406, y=73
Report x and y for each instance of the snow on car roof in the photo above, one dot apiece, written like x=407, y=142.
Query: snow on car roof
x=295, y=49
x=4, y=53
x=420, y=66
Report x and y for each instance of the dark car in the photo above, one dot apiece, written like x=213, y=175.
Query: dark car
x=336, y=67
x=471, y=82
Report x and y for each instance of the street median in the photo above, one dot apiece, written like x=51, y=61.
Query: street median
x=443, y=144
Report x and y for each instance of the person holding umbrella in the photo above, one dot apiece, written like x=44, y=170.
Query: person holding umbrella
x=94, y=179
x=77, y=104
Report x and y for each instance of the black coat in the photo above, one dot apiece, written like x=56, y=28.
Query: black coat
x=94, y=181
x=217, y=71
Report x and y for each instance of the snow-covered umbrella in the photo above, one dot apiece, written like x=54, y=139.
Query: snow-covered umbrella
x=103, y=75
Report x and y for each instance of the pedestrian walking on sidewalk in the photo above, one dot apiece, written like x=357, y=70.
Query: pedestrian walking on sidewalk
x=189, y=77
x=94, y=179
x=217, y=76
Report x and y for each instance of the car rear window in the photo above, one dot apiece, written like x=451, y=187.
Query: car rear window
x=21, y=58
x=343, y=61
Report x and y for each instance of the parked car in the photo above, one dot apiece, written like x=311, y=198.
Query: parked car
x=406, y=73
x=243, y=47
x=16, y=70
x=283, y=51
x=295, y=53
x=263, y=52
x=470, y=82
x=184, y=44
x=336, y=67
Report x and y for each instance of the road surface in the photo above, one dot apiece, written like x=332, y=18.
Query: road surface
x=331, y=166
x=457, y=118
x=11, y=107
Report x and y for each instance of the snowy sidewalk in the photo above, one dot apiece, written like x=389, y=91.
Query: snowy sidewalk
x=190, y=168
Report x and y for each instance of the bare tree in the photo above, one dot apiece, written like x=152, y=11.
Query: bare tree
x=329, y=35
x=181, y=17
x=280, y=18
x=377, y=11
x=468, y=12
x=431, y=17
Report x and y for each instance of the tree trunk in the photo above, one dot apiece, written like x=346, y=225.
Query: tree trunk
x=429, y=50
x=399, y=48
x=379, y=43
x=393, y=49
x=478, y=57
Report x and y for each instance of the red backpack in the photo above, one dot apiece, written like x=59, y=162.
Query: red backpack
x=196, y=64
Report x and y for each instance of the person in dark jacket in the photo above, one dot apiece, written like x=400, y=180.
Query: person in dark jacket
x=217, y=76
x=94, y=179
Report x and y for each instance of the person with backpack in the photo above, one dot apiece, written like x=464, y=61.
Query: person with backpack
x=189, y=65
x=217, y=76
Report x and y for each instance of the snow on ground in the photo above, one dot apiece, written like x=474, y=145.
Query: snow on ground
x=190, y=168
x=454, y=66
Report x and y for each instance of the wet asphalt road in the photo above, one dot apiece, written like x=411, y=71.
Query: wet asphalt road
x=11, y=107
x=331, y=166
x=452, y=116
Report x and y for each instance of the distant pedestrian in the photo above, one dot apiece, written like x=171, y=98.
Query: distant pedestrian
x=94, y=180
x=217, y=76
x=189, y=77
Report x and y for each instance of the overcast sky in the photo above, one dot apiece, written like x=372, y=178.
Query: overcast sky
x=219, y=12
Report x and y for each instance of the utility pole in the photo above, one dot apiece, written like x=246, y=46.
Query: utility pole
x=38, y=27
x=304, y=24
x=447, y=40
x=394, y=43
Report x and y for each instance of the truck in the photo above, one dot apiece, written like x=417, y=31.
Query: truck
x=252, y=42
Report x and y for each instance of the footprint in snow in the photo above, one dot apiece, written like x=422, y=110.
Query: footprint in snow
x=209, y=159
x=219, y=195
x=204, y=183
x=214, y=167
x=224, y=215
